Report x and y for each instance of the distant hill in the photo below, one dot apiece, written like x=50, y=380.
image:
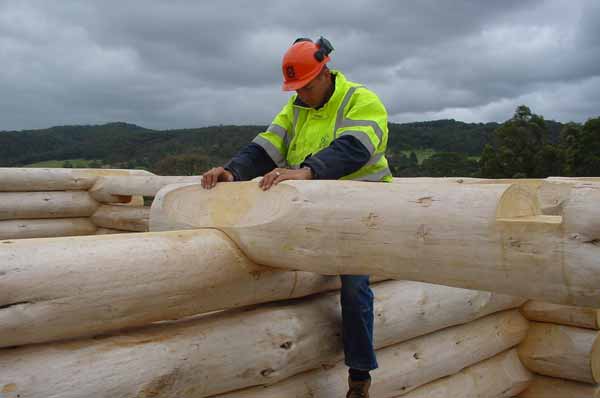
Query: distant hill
x=128, y=145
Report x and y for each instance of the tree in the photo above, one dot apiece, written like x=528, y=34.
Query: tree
x=67, y=164
x=449, y=164
x=519, y=145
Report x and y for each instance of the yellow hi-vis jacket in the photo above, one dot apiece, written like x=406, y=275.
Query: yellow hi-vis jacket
x=299, y=131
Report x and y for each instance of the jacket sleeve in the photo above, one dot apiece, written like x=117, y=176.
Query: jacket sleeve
x=343, y=156
x=275, y=140
x=250, y=162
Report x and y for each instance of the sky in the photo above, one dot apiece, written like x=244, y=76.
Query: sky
x=184, y=64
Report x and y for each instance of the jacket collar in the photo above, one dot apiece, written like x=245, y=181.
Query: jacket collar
x=339, y=83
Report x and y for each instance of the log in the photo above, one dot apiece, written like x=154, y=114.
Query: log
x=60, y=288
x=502, y=376
x=583, y=317
x=405, y=366
x=560, y=351
x=550, y=387
x=34, y=205
x=108, y=231
x=54, y=179
x=478, y=236
x=45, y=228
x=125, y=218
x=108, y=187
x=215, y=354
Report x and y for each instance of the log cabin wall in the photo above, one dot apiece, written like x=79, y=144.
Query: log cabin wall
x=153, y=315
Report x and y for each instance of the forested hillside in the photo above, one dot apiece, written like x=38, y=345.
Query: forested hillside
x=452, y=148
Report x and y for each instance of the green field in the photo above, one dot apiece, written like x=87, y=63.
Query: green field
x=422, y=154
x=76, y=163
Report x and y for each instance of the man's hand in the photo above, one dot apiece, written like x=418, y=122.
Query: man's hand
x=275, y=176
x=214, y=175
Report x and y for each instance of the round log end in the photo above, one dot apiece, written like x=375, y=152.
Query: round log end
x=519, y=200
x=595, y=359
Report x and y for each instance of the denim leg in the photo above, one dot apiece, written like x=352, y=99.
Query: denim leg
x=357, y=322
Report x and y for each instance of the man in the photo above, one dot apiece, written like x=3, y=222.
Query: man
x=332, y=129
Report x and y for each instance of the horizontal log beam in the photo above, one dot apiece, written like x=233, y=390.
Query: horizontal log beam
x=221, y=352
x=59, y=288
x=36, y=205
x=583, y=317
x=107, y=187
x=550, y=387
x=406, y=366
x=124, y=218
x=46, y=228
x=565, y=352
x=478, y=236
x=502, y=376
x=14, y=179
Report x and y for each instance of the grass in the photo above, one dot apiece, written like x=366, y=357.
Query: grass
x=77, y=163
x=422, y=154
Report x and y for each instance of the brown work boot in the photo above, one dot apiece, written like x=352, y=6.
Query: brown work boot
x=358, y=389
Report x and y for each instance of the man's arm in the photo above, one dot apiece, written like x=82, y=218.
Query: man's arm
x=250, y=162
x=343, y=156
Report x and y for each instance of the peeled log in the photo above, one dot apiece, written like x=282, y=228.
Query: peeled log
x=583, y=317
x=21, y=229
x=55, y=179
x=60, y=288
x=108, y=231
x=106, y=187
x=32, y=205
x=410, y=364
x=502, y=376
x=550, y=387
x=68, y=287
x=125, y=218
x=478, y=236
x=217, y=353
x=562, y=351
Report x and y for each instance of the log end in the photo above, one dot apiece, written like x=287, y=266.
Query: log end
x=595, y=359
x=519, y=200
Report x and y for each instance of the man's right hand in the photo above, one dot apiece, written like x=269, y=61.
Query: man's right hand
x=214, y=175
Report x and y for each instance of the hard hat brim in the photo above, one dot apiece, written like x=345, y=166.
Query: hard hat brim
x=298, y=84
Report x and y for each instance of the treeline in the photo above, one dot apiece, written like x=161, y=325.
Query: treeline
x=524, y=146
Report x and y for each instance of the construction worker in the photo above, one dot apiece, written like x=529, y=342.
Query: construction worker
x=331, y=129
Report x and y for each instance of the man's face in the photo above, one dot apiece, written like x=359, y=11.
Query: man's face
x=313, y=94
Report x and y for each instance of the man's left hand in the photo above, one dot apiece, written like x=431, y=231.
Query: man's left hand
x=277, y=175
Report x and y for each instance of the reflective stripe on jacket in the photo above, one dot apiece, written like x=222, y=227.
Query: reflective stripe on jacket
x=298, y=132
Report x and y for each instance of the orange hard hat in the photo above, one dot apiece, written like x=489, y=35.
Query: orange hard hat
x=303, y=61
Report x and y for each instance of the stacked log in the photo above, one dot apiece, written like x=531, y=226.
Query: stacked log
x=550, y=387
x=563, y=346
x=408, y=365
x=38, y=203
x=480, y=236
x=239, y=349
x=122, y=218
x=54, y=288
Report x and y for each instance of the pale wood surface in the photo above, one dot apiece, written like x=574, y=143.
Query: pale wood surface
x=550, y=387
x=108, y=231
x=35, y=205
x=46, y=228
x=136, y=185
x=565, y=352
x=583, y=317
x=125, y=218
x=14, y=179
x=479, y=236
x=230, y=350
x=59, y=288
x=502, y=376
x=410, y=364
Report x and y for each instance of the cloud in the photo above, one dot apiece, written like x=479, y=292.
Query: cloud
x=188, y=64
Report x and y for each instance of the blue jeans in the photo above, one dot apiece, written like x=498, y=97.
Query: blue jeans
x=357, y=322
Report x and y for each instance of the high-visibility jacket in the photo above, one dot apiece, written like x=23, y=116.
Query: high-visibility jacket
x=299, y=131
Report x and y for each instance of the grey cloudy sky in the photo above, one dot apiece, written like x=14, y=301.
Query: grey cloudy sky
x=176, y=64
